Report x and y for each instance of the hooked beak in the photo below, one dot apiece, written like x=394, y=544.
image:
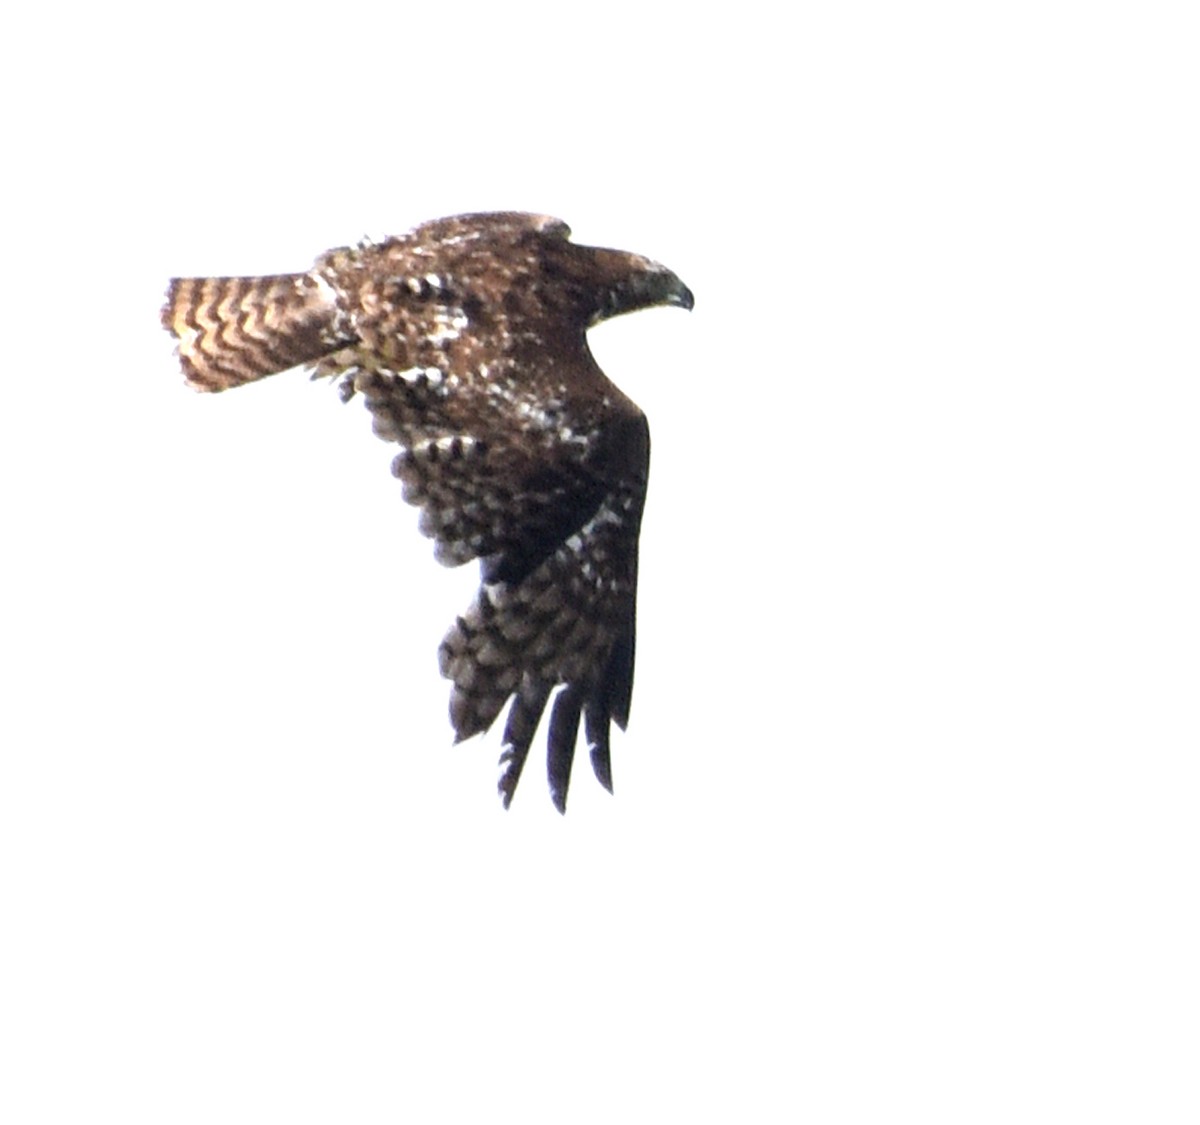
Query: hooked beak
x=634, y=282
x=657, y=285
x=681, y=295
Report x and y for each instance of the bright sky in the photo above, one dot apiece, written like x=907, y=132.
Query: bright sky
x=905, y=819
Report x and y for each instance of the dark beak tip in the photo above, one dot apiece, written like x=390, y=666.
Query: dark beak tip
x=686, y=300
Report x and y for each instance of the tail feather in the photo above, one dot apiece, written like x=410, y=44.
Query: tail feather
x=233, y=330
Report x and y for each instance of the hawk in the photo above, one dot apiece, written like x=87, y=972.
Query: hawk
x=467, y=338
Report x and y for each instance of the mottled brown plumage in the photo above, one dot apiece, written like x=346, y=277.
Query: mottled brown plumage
x=467, y=340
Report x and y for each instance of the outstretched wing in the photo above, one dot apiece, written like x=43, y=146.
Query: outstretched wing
x=553, y=510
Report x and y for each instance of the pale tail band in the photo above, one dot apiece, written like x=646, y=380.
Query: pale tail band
x=233, y=330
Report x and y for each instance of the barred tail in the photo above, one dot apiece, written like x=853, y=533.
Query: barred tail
x=233, y=330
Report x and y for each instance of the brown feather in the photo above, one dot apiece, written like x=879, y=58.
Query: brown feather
x=233, y=330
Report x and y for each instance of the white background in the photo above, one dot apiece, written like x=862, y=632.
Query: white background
x=905, y=824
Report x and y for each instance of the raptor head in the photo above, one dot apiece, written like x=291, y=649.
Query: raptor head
x=627, y=282
x=540, y=261
x=609, y=282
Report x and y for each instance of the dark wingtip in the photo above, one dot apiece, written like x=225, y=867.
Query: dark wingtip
x=523, y=719
x=511, y=762
x=602, y=767
x=596, y=726
x=560, y=742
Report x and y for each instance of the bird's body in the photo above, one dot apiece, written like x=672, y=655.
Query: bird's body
x=467, y=339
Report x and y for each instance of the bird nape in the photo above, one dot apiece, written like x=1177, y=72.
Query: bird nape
x=467, y=339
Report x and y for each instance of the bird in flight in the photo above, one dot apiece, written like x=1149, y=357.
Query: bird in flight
x=467, y=339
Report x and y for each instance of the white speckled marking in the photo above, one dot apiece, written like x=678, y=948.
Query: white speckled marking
x=448, y=325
